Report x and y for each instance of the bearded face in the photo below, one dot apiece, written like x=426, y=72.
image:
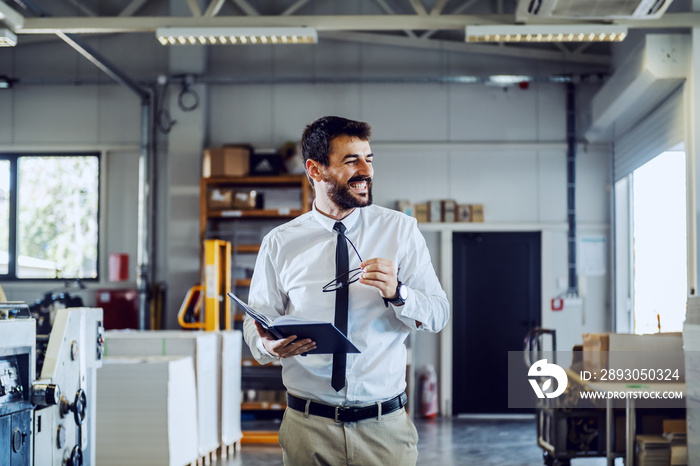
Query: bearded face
x=357, y=192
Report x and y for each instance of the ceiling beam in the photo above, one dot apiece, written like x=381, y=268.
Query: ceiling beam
x=463, y=47
x=294, y=7
x=246, y=7
x=10, y=17
x=439, y=6
x=82, y=7
x=390, y=11
x=194, y=7
x=418, y=7
x=133, y=7
x=83, y=25
x=461, y=9
x=214, y=7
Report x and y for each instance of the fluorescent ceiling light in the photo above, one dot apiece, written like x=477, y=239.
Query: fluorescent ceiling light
x=505, y=79
x=546, y=33
x=7, y=38
x=236, y=36
x=5, y=82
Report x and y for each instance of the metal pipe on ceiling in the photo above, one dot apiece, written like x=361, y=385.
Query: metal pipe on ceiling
x=590, y=77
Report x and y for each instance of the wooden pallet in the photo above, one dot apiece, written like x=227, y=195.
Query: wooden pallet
x=225, y=450
x=206, y=459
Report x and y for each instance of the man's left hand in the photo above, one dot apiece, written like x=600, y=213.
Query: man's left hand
x=381, y=274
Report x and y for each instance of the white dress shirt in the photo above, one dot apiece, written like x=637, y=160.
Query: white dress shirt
x=295, y=261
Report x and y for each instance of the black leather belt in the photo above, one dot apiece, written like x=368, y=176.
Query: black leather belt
x=343, y=413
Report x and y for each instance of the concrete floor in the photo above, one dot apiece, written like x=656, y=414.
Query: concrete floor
x=447, y=442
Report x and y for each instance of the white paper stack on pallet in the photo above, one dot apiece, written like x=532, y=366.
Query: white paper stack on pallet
x=145, y=413
x=691, y=346
x=653, y=450
x=229, y=354
x=202, y=348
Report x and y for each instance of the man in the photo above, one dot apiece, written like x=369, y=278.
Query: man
x=345, y=409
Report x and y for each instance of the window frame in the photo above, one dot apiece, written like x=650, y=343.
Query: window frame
x=13, y=158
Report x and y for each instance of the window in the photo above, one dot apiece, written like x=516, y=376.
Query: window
x=50, y=216
x=659, y=244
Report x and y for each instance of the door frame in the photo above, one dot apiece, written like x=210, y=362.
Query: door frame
x=527, y=276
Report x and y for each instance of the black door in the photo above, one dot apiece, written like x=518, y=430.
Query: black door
x=496, y=301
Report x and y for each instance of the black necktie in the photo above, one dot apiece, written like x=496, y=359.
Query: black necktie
x=341, y=305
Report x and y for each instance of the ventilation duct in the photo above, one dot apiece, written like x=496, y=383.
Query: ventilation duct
x=638, y=85
x=591, y=9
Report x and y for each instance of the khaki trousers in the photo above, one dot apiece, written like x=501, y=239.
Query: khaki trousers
x=390, y=440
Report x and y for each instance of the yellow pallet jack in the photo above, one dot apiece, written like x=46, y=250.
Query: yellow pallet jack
x=208, y=297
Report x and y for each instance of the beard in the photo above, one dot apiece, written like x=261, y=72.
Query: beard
x=342, y=196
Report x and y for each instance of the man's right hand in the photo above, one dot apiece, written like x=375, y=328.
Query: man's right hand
x=284, y=347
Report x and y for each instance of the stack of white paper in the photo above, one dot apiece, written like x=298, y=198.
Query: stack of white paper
x=653, y=450
x=691, y=345
x=202, y=348
x=229, y=387
x=146, y=412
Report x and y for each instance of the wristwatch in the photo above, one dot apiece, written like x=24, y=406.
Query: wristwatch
x=401, y=295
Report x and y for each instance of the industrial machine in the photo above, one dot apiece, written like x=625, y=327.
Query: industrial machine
x=17, y=340
x=49, y=420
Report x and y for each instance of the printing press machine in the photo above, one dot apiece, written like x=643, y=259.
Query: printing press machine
x=50, y=419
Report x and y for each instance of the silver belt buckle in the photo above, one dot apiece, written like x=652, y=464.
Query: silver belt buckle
x=336, y=413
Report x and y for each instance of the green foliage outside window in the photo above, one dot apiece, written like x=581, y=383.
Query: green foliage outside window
x=57, y=217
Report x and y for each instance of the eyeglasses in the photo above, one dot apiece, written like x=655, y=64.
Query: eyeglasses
x=345, y=279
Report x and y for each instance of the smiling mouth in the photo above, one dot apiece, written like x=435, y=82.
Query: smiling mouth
x=360, y=186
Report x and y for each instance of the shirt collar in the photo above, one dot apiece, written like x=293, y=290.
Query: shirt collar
x=328, y=223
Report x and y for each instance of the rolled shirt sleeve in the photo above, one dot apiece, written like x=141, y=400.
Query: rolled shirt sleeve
x=426, y=301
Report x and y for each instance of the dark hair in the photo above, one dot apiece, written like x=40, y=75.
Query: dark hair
x=317, y=137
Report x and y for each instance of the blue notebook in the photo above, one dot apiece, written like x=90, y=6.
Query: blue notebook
x=327, y=337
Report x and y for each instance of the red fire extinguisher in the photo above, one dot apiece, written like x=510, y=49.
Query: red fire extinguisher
x=429, y=396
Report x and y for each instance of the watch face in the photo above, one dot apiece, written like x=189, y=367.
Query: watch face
x=403, y=292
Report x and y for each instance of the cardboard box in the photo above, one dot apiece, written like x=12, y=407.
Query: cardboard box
x=595, y=351
x=202, y=348
x=464, y=213
x=435, y=211
x=220, y=198
x=266, y=162
x=246, y=199
x=406, y=207
x=421, y=211
x=226, y=161
x=672, y=426
x=449, y=210
x=477, y=212
x=631, y=351
x=662, y=351
x=145, y=411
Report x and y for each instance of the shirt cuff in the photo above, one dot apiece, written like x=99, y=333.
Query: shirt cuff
x=263, y=351
x=406, y=312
